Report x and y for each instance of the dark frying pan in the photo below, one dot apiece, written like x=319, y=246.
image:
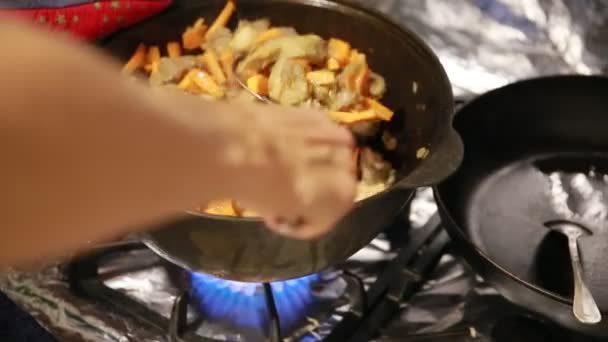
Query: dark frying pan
x=243, y=249
x=521, y=140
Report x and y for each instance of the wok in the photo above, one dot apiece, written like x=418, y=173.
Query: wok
x=242, y=248
x=518, y=139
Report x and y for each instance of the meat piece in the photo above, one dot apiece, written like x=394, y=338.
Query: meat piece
x=343, y=100
x=310, y=47
x=220, y=41
x=246, y=34
x=389, y=140
x=172, y=69
x=377, y=86
x=373, y=167
x=324, y=94
x=287, y=83
x=376, y=174
x=365, y=128
x=311, y=104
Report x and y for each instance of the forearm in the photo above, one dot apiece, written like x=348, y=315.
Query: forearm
x=87, y=155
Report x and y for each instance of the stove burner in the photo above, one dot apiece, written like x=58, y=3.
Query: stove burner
x=245, y=304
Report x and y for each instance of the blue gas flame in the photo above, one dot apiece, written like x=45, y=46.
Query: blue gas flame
x=244, y=304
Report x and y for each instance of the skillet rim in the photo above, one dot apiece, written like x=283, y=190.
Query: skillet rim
x=443, y=208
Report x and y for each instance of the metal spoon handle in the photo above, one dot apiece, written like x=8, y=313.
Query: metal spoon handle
x=585, y=309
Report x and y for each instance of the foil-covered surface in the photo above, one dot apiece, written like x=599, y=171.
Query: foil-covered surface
x=483, y=44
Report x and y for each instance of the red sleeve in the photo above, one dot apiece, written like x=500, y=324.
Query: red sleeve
x=93, y=20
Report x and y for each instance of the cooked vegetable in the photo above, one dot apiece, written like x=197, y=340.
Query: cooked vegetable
x=339, y=51
x=204, y=82
x=286, y=67
x=136, y=61
x=273, y=33
x=321, y=77
x=210, y=61
x=152, y=59
x=287, y=83
x=259, y=84
x=194, y=36
x=310, y=47
x=247, y=33
x=221, y=207
x=174, y=49
x=381, y=111
x=221, y=19
x=377, y=86
x=353, y=117
x=172, y=69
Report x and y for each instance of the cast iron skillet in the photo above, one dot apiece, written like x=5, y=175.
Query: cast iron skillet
x=243, y=249
x=495, y=206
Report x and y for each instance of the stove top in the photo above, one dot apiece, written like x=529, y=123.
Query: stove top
x=406, y=285
x=392, y=290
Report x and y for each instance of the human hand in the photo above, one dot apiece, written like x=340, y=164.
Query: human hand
x=296, y=164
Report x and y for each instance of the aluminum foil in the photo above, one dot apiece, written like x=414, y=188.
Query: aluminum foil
x=483, y=44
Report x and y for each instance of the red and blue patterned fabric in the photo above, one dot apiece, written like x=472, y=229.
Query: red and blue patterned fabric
x=83, y=18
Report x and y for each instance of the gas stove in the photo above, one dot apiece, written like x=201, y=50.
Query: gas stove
x=406, y=285
x=351, y=301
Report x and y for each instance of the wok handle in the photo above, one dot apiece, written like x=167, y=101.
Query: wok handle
x=444, y=159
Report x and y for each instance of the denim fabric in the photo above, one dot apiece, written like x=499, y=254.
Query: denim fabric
x=30, y=4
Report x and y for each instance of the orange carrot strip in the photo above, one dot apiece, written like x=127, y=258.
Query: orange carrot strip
x=349, y=118
x=206, y=83
x=381, y=110
x=339, y=50
x=222, y=19
x=136, y=61
x=194, y=36
x=209, y=59
x=267, y=35
x=221, y=207
x=259, y=84
x=174, y=49
x=227, y=60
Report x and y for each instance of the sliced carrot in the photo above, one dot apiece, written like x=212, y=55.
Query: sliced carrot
x=210, y=61
x=381, y=110
x=221, y=207
x=153, y=54
x=227, y=60
x=187, y=84
x=333, y=64
x=152, y=59
x=237, y=208
x=321, y=77
x=349, y=118
x=136, y=61
x=174, y=49
x=259, y=84
x=269, y=34
x=205, y=82
x=362, y=81
x=356, y=57
x=194, y=36
x=222, y=19
x=339, y=50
